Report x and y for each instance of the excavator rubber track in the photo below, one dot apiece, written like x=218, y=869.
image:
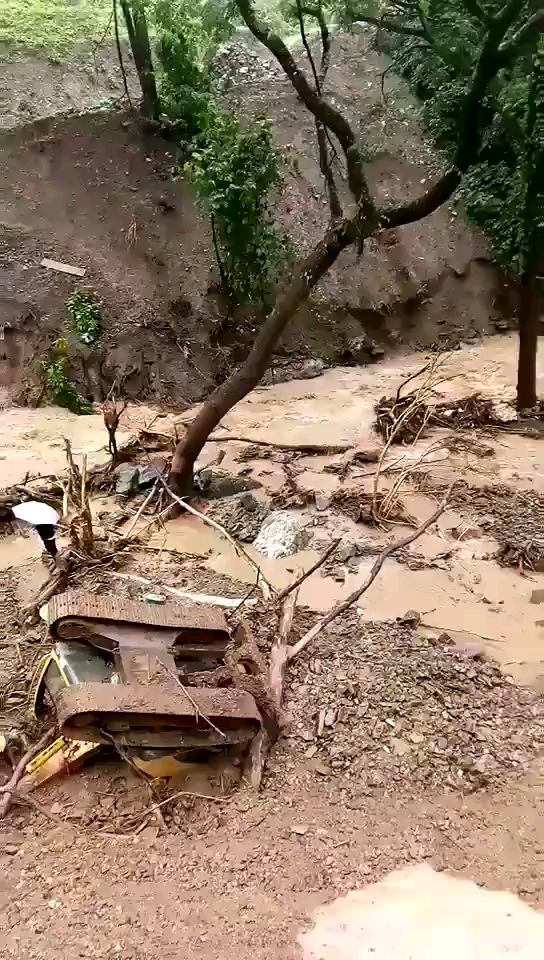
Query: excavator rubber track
x=194, y=626
x=158, y=718
x=147, y=704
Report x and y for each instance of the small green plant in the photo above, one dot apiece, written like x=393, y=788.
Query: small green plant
x=59, y=388
x=85, y=315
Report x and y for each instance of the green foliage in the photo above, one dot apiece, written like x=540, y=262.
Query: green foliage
x=85, y=315
x=58, y=386
x=53, y=25
x=233, y=165
x=236, y=172
x=494, y=190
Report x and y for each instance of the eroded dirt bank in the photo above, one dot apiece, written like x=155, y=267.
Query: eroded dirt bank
x=92, y=191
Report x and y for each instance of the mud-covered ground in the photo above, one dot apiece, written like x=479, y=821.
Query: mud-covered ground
x=414, y=724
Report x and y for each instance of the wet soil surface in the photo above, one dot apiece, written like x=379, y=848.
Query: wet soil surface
x=403, y=739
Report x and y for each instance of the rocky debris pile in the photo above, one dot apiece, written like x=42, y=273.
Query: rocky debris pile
x=237, y=63
x=515, y=518
x=241, y=515
x=394, y=713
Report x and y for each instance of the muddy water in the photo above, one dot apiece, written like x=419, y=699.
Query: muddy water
x=484, y=606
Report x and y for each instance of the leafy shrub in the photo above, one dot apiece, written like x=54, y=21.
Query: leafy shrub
x=58, y=387
x=236, y=172
x=85, y=315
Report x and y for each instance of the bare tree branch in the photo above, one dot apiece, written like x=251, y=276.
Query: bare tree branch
x=321, y=109
x=326, y=169
x=524, y=37
x=493, y=57
x=353, y=597
x=475, y=9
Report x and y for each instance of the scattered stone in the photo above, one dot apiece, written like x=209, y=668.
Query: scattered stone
x=504, y=412
x=537, y=596
x=299, y=829
x=319, y=767
x=322, y=501
x=281, y=535
x=345, y=551
x=312, y=368
x=132, y=479
x=399, y=747
x=330, y=717
x=465, y=533
x=398, y=713
x=241, y=515
x=410, y=619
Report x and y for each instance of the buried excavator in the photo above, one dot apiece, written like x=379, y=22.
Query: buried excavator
x=153, y=682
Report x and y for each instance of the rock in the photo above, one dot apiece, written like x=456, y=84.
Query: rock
x=241, y=515
x=537, y=596
x=416, y=737
x=411, y=618
x=319, y=767
x=330, y=717
x=399, y=747
x=149, y=474
x=322, y=501
x=10, y=848
x=299, y=829
x=132, y=478
x=128, y=480
x=312, y=368
x=281, y=535
x=461, y=534
x=345, y=551
x=504, y=412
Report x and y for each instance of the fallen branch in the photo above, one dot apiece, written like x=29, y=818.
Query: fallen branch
x=140, y=510
x=266, y=586
x=56, y=583
x=310, y=449
x=279, y=658
x=10, y=788
x=390, y=549
x=304, y=576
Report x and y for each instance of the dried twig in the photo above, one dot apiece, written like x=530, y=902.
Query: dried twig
x=10, y=788
x=198, y=712
x=304, y=576
x=141, y=509
x=266, y=586
x=309, y=449
x=354, y=597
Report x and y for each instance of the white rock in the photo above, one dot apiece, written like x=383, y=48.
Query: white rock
x=504, y=411
x=281, y=535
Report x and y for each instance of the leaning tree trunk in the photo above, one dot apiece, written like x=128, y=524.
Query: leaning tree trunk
x=248, y=375
x=138, y=35
x=528, y=342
